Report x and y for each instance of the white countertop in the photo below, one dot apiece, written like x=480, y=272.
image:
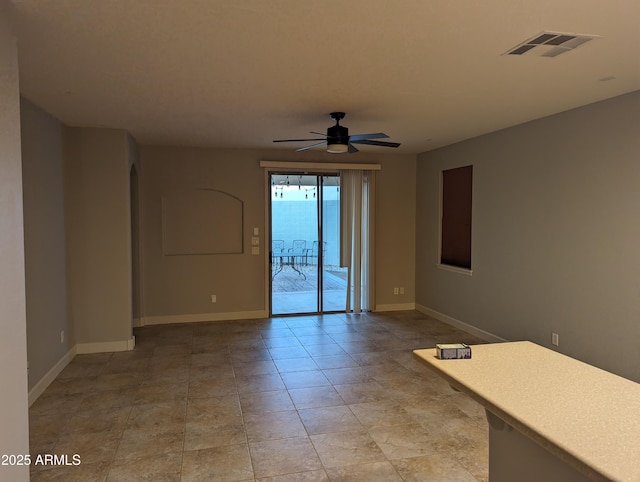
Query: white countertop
x=586, y=416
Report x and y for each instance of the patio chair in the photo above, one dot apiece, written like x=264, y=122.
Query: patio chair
x=313, y=252
x=277, y=251
x=277, y=246
x=298, y=250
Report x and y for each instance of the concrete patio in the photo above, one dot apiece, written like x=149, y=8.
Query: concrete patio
x=292, y=293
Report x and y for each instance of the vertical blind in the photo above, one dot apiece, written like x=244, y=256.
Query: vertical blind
x=357, y=214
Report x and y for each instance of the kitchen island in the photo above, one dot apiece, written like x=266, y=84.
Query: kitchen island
x=551, y=417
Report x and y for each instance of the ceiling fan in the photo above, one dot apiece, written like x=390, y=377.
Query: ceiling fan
x=338, y=140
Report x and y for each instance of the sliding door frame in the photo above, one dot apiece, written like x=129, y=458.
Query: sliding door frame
x=297, y=168
x=319, y=175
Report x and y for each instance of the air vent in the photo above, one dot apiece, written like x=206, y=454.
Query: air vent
x=549, y=44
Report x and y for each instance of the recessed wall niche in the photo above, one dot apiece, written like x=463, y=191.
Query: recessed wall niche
x=201, y=221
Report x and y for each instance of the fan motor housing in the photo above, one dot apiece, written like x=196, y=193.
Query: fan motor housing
x=337, y=135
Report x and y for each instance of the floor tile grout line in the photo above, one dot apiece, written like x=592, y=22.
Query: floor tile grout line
x=186, y=415
x=242, y=415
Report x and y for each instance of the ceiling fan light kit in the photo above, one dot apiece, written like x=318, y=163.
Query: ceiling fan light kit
x=337, y=148
x=338, y=140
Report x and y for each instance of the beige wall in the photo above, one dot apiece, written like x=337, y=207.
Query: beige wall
x=555, y=234
x=98, y=235
x=77, y=241
x=395, y=232
x=178, y=285
x=14, y=434
x=45, y=250
x=182, y=285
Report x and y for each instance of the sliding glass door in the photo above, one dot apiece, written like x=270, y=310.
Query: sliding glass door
x=306, y=276
x=333, y=277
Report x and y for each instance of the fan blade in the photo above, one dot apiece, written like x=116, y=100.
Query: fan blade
x=318, y=133
x=298, y=140
x=377, y=143
x=361, y=137
x=311, y=146
x=352, y=148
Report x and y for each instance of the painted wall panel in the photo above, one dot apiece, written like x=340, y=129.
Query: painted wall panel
x=45, y=242
x=201, y=221
x=98, y=232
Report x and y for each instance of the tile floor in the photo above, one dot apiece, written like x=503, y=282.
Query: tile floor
x=314, y=398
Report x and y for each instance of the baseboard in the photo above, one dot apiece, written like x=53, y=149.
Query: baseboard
x=485, y=335
x=396, y=307
x=105, y=347
x=135, y=322
x=80, y=348
x=39, y=388
x=198, y=317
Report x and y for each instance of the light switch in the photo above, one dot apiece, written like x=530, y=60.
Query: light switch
x=255, y=241
x=256, y=231
x=255, y=250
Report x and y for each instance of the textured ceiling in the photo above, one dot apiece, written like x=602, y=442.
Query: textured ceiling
x=240, y=73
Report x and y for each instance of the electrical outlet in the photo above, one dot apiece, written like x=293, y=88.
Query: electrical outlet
x=402, y=290
x=555, y=339
x=214, y=299
x=395, y=291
